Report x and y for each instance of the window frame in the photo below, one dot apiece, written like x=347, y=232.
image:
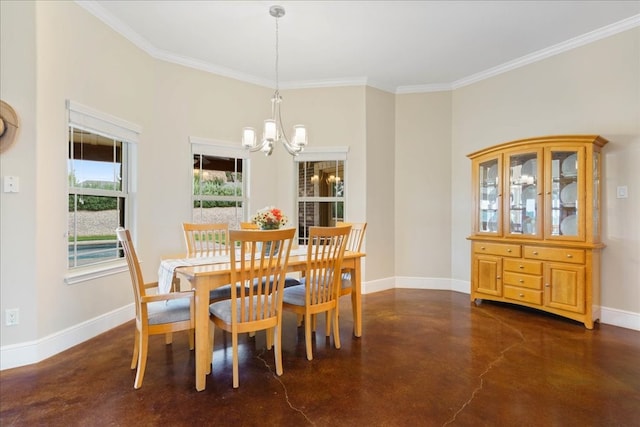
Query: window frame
x=91, y=120
x=222, y=150
x=320, y=154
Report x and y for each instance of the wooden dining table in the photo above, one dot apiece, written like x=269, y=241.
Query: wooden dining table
x=204, y=278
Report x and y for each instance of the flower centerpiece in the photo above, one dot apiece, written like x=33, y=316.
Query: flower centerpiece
x=270, y=218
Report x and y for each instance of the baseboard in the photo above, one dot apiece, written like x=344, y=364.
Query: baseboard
x=621, y=318
x=15, y=355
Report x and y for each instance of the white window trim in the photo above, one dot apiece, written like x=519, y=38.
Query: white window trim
x=95, y=121
x=220, y=148
x=319, y=154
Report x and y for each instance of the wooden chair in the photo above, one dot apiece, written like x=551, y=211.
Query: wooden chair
x=206, y=239
x=320, y=288
x=354, y=244
x=156, y=313
x=256, y=300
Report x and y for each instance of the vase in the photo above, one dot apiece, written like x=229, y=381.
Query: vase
x=268, y=244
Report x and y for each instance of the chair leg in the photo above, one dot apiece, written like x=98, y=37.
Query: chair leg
x=234, y=343
x=212, y=330
x=136, y=344
x=300, y=317
x=192, y=339
x=142, y=359
x=336, y=329
x=307, y=335
x=327, y=320
x=277, y=337
x=270, y=333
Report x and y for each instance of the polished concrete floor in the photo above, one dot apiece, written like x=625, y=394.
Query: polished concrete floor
x=426, y=358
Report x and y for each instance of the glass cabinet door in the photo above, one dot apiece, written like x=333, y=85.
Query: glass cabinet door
x=565, y=210
x=488, y=206
x=524, y=191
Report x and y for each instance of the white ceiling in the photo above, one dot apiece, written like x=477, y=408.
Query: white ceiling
x=397, y=46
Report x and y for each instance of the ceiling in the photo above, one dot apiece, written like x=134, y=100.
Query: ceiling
x=397, y=46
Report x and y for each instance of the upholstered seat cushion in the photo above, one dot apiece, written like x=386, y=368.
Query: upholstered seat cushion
x=175, y=310
x=294, y=295
x=288, y=281
x=222, y=309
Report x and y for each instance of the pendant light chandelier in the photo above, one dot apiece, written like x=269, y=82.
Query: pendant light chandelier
x=273, y=130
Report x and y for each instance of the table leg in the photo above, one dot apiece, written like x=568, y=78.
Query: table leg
x=202, y=335
x=356, y=298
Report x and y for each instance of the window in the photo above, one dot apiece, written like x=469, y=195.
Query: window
x=219, y=184
x=321, y=190
x=98, y=165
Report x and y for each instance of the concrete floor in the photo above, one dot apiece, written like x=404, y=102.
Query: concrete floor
x=426, y=358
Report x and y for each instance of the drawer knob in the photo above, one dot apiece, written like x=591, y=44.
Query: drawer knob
x=535, y=252
x=509, y=250
x=521, y=281
x=521, y=266
x=521, y=295
x=482, y=248
x=498, y=277
x=569, y=256
x=546, y=285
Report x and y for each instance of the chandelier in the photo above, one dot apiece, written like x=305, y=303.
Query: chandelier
x=273, y=130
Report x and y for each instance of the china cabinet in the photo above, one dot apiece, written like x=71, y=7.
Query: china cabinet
x=536, y=224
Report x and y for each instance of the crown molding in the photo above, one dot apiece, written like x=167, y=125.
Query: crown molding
x=142, y=43
x=601, y=33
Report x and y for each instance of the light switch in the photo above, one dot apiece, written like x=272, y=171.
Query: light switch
x=11, y=184
x=621, y=192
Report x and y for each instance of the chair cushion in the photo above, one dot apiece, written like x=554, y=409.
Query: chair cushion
x=175, y=310
x=222, y=309
x=294, y=295
x=223, y=292
x=288, y=281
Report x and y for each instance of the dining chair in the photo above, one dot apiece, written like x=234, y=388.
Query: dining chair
x=256, y=300
x=354, y=244
x=208, y=240
x=320, y=287
x=155, y=313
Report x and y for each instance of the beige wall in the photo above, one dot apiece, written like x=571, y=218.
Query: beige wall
x=423, y=188
x=18, y=210
x=379, y=184
x=593, y=89
x=408, y=172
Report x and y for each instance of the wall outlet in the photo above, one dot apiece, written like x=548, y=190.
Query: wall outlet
x=12, y=316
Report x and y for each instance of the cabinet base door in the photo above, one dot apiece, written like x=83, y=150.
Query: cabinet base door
x=487, y=270
x=564, y=287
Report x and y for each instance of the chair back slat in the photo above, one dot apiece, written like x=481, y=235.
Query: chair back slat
x=356, y=236
x=206, y=239
x=258, y=265
x=324, y=259
x=124, y=237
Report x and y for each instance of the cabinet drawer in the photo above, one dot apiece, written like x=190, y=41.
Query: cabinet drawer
x=524, y=280
x=524, y=295
x=575, y=256
x=496, y=249
x=521, y=266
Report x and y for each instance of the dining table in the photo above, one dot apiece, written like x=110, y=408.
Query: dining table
x=204, y=275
